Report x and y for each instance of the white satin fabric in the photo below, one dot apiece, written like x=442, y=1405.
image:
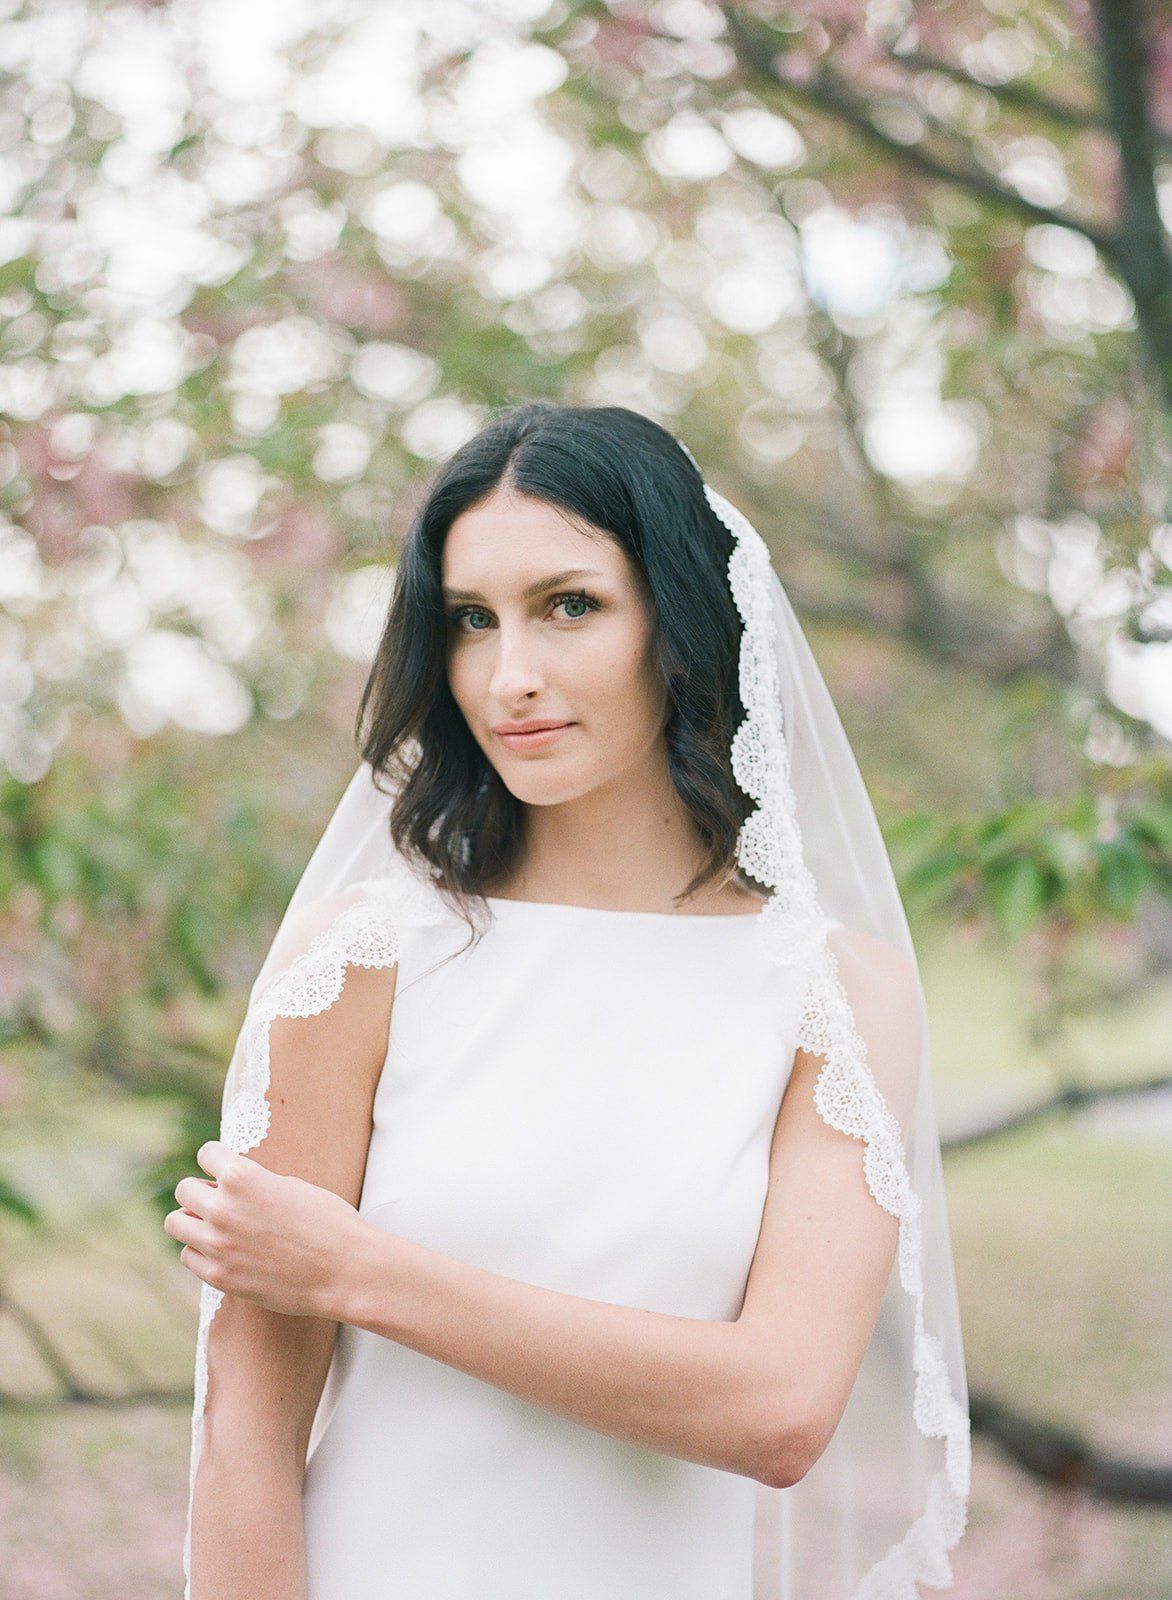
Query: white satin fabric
x=585, y=1101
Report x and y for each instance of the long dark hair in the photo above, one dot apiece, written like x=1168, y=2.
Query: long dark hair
x=625, y=475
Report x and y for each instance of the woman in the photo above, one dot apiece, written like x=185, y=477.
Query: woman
x=602, y=1253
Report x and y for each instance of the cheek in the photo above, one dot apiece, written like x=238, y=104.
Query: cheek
x=626, y=676
x=461, y=679
x=461, y=669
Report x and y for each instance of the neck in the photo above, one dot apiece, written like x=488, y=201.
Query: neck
x=629, y=843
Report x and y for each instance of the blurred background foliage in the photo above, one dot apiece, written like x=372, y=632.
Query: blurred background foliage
x=899, y=274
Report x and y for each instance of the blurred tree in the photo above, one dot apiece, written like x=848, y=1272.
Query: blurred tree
x=898, y=274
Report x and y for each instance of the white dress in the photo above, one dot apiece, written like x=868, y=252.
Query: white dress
x=585, y=1100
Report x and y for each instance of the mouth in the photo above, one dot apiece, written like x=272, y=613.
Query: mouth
x=535, y=738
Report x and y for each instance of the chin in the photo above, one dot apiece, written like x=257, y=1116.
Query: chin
x=533, y=787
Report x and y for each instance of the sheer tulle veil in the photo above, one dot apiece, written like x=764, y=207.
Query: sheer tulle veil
x=881, y=1509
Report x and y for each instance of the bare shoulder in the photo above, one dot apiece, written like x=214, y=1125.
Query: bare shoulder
x=332, y=927
x=328, y=1038
x=868, y=965
x=882, y=988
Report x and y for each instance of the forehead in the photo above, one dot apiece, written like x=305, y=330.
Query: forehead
x=512, y=534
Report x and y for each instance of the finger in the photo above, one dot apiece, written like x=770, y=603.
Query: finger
x=175, y=1225
x=215, y=1158
x=189, y=1229
x=197, y=1264
x=193, y=1194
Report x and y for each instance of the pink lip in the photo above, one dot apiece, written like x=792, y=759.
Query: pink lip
x=534, y=738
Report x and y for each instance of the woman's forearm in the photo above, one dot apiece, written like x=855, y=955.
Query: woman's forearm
x=708, y=1391
x=247, y=1534
x=685, y=1386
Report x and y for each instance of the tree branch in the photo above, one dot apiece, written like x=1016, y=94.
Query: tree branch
x=93, y=1397
x=1064, y=1459
x=44, y=1346
x=1143, y=255
x=945, y=629
x=1067, y=1097
x=827, y=92
x=1015, y=94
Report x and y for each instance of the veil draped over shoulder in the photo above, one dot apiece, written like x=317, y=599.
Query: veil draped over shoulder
x=880, y=1510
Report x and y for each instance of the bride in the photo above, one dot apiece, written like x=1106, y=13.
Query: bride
x=576, y=1226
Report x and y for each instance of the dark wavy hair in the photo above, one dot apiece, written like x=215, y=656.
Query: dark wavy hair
x=621, y=474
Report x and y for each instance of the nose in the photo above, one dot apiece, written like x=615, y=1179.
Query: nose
x=517, y=672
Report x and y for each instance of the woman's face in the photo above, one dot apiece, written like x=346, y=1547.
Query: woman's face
x=548, y=625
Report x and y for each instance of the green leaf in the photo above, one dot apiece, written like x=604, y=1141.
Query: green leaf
x=1017, y=893
x=1065, y=852
x=1123, y=877
x=1083, y=815
x=17, y=1204
x=932, y=878
x=915, y=831
x=1154, y=822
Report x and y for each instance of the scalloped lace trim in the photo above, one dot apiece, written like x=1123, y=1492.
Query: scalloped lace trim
x=361, y=935
x=846, y=1094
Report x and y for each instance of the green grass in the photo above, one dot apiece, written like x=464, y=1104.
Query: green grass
x=1063, y=1246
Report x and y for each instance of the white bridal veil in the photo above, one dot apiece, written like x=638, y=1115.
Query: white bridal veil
x=882, y=1507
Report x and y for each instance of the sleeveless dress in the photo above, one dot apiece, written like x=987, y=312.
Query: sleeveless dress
x=584, y=1100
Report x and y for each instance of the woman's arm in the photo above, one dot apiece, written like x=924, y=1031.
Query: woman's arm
x=682, y=1385
x=754, y=1396
x=686, y=1386
x=266, y=1371
x=760, y=1396
x=713, y=1392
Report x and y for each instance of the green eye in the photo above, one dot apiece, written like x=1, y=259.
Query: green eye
x=578, y=597
x=575, y=599
x=457, y=617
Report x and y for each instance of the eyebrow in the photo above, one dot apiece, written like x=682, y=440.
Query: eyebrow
x=537, y=588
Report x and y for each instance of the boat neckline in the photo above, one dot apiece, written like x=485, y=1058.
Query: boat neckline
x=614, y=911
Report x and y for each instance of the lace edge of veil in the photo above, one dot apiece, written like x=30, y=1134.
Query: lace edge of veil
x=366, y=934
x=846, y=1094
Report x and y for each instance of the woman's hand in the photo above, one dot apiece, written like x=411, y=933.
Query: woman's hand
x=276, y=1240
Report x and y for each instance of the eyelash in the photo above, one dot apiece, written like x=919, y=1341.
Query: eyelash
x=454, y=617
